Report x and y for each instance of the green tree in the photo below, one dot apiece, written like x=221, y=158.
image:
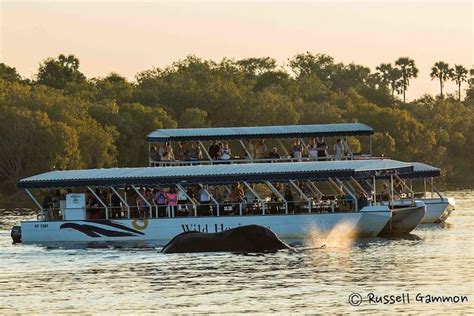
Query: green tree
x=459, y=75
x=391, y=76
x=58, y=72
x=114, y=87
x=442, y=72
x=8, y=73
x=193, y=117
x=408, y=71
x=320, y=65
x=256, y=66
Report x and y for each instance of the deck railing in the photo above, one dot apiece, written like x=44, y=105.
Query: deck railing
x=224, y=208
x=238, y=160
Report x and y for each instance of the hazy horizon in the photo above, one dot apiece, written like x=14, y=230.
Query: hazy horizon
x=128, y=37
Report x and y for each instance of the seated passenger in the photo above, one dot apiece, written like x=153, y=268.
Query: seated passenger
x=274, y=154
x=362, y=201
x=214, y=150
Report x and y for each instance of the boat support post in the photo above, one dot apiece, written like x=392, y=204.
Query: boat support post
x=32, y=197
x=283, y=147
x=407, y=188
x=144, y=199
x=100, y=201
x=205, y=150
x=189, y=198
x=122, y=200
x=348, y=191
x=303, y=195
x=278, y=193
x=211, y=197
x=246, y=150
x=249, y=187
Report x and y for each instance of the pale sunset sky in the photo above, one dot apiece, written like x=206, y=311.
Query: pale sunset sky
x=129, y=37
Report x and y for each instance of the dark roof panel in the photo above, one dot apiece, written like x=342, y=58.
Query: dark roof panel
x=216, y=174
x=284, y=131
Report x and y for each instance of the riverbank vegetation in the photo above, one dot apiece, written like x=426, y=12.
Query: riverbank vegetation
x=62, y=120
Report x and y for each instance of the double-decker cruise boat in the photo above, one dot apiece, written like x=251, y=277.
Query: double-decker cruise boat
x=149, y=206
x=315, y=142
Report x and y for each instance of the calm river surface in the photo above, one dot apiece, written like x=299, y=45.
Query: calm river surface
x=436, y=260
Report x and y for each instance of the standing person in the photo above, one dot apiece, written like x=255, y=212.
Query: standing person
x=214, y=150
x=338, y=149
x=225, y=151
x=168, y=154
x=322, y=149
x=141, y=205
x=297, y=150
x=205, y=202
x=116, y=205
x=312, y=150
x=261, y=149
x=171, y=199
x=160, y=201
x=289, y=200
x=236, y=196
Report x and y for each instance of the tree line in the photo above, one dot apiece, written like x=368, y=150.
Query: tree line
x=63, y=120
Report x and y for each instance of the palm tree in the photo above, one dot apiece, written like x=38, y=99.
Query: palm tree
x=408, y=71
x=390, y=76
x=458, y=75
x=441, y=71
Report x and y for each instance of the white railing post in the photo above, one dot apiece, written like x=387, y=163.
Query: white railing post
x=100, y=201
x=32, y=197
x=122, y=200
x=144, y=199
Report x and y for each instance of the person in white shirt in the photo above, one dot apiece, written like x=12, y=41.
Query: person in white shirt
x=338, y=149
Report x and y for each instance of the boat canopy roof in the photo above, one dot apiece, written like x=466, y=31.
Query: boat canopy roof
x=217, y=174
x=422, y=170
x=283, y=131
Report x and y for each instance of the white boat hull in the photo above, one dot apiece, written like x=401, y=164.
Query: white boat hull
x=158, y=231
x=437, y=209
x=405, y=219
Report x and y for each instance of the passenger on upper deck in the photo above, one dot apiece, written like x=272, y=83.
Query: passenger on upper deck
x=338, y=149
x=274, y=154
x=214, y=150
x=168, y=154
x=250, y=148
x=195, y=152
x=312, y=149
x=225, y=151
x=322, y=149
x=261, y=149
x=154, y=154
x=297, y=150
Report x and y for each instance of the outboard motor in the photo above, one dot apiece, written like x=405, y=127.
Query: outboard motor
x=16, y=234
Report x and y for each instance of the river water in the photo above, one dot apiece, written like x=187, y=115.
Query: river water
x=435, y=260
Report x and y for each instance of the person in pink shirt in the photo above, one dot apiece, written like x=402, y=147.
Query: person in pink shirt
x=172, y=198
